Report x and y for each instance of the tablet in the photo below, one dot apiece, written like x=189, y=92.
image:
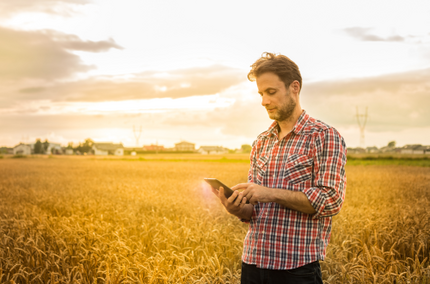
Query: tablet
x=217, y=184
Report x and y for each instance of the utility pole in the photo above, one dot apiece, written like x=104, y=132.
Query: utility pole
x=137, y=134
x=361, y=120
x=25, y=139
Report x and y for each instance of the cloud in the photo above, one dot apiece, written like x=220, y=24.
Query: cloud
x=397, y=103
x=365, y=34
x=9, y=8
x=394, y=101
x=43, y=54
x=246, y=118
x=147, y=85
x=73, y=42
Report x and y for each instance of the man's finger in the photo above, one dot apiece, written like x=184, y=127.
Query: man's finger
x=238, y=200
x=247, y=191
x=240, y=186
x=248, y=197
x=216, y=192
x=253, y=201
x=221, y=194
x=244, y=201
x=223, y=198
x=232, y=198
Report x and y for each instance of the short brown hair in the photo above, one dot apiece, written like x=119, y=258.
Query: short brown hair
x=285, y=68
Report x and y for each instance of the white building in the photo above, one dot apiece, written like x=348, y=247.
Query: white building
x=422, y=150
x=212, y=150
x=28, y=149
x=184, y=146
x=357, y=150
x=372, y=149
x=54, y=148
x=411, y=149
x=104, y=149
x=22, y=149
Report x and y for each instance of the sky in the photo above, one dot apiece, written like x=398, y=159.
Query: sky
x=103, y=69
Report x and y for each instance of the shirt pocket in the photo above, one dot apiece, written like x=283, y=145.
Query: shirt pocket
x=260, y=168
x=298, y=169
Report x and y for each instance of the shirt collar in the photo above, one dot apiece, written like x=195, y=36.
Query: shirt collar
x=298, y=127
x=301, y=123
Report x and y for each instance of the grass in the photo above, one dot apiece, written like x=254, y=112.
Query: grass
x=384, y=161
x=73, y=220
x=353, y=159
x=19, y=156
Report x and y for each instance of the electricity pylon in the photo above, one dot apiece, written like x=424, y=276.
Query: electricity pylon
x=361, y=120
x=137, y=134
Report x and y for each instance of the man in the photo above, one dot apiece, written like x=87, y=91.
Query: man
x=296, y=183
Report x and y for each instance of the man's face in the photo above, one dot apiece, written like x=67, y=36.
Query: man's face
x=275, y=97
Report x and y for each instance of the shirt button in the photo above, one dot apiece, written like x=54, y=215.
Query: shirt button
x=263, y=232
x=274, y=175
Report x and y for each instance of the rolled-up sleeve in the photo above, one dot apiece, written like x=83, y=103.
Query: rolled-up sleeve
x=328, y=191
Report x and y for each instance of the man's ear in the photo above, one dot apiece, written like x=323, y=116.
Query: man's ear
x=295, y=87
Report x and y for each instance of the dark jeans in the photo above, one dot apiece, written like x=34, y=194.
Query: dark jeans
x=307, y=274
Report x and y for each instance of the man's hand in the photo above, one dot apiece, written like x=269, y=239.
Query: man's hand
x=235, y=204
x=295, y=200
x=255, y=193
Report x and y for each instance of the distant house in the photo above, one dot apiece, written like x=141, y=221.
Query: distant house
x=212, y=150
x=104, y=149
x=153, y=147
x=411, y=149
x=22, y=149
x=54, y=148
x=6, y=150
x=421, y=150
x=68, y=151
x=372, y=149
x=28, y=149
x=387, y=149
x=184, y=146
x=357, y=150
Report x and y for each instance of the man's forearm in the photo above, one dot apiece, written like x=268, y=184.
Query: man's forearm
x=255, y=193
x=295, y=200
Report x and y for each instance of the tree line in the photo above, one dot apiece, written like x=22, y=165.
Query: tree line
x=82, y=147
x=41, y=147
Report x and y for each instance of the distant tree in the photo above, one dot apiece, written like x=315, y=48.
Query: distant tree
x=45, y=146
x=70, y=145
x=86, y=146
x=38, y=147
x=246, y=148
x=392, y=144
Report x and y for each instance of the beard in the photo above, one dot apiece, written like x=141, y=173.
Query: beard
x=285, y=111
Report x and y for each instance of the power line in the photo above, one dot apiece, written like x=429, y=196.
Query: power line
x=361, y=120
x=137, y=134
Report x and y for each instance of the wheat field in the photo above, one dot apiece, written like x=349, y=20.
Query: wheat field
x=82, y=220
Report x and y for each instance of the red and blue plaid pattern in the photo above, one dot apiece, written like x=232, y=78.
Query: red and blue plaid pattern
x=310, y=159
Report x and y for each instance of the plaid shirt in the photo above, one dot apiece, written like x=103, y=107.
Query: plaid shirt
x=311, y=159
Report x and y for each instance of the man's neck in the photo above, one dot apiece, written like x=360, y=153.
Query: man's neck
x=287, y=125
